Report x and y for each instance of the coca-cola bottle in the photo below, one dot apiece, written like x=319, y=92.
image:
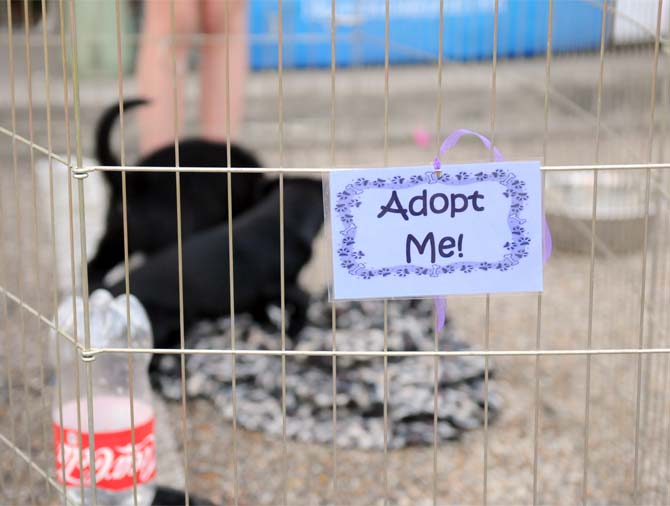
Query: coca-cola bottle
x=111, y=404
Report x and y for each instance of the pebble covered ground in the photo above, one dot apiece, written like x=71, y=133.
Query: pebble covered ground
x=523, y=459
x=511, y=437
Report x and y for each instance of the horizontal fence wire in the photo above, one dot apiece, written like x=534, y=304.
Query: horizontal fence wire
x=89, y=354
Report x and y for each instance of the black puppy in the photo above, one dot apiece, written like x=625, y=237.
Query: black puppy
x=171, y=497
x=256, y=257
x=151, y=200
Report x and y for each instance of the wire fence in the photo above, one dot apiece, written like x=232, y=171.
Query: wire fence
x=28, y=262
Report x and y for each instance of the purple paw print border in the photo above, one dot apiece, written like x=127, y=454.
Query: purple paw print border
x=351, y=258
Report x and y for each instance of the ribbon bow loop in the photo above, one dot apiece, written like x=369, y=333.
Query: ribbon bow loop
x=447, y=144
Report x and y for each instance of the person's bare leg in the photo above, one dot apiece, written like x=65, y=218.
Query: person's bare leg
x=213, y=67
x=155, y=69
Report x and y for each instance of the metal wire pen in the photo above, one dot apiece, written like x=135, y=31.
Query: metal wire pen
x=40, y=125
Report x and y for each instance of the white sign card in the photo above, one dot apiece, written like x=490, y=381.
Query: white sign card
x=409, y=232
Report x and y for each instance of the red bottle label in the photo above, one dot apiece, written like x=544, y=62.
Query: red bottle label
x=113, y=457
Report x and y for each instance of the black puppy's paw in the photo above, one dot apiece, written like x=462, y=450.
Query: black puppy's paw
x=171, y=497
x=298, y=299
x=260, y=315
x=95, y=276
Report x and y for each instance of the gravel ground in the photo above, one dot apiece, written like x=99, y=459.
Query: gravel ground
x=358, y=477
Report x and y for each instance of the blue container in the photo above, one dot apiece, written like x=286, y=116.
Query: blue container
x=414, y=30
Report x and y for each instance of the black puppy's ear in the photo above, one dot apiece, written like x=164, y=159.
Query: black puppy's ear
x=264, y=187
x=138, y=180
x=303, y=201
x=308, y=230
x=113, y=178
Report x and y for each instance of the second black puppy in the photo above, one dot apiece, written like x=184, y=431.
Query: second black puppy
x=151, y=201
x=256, y=257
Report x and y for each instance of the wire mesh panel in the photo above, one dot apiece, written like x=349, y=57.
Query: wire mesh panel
x=571, y=385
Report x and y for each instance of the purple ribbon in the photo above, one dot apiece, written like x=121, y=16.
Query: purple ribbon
x=450, y=142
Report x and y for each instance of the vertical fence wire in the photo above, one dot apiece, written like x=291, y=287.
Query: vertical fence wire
x=280, y=134
x=649, y=364
x=538, y=330
x=82, y=245
x=487, y=318
x=664, y=447
x=592, y=262
x=333, y=309
x=5, y=309
x=5, y=477
x=654, y=464
x=665, y=476
x=485, y=463
x=180, y=265
x=37, y=268
x=655, y=412
x=233, y=340
x=124, y=206
x=649, y=394
x=7, y=351
x=19, y=241
x=664, y=210
x=645, y=246
x=651, y=428
x=655, y=406
x=54, y=256
x=73, y=271
x=386, y=302
x=436, y=359
x=83, y=255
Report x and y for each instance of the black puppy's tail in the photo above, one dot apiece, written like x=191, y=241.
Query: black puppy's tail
x=102, y=149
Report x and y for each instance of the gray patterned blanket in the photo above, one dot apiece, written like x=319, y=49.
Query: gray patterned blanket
x=360, y=379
